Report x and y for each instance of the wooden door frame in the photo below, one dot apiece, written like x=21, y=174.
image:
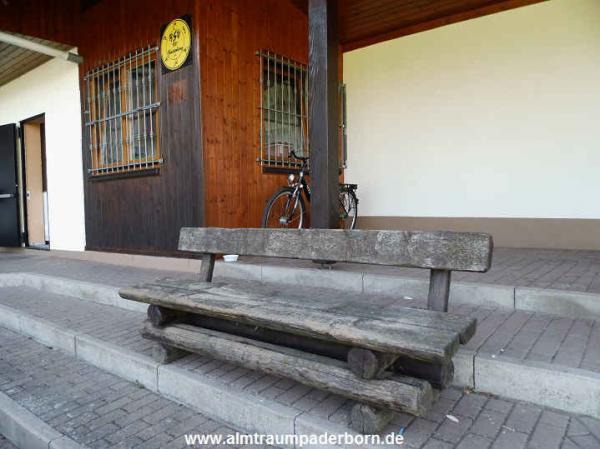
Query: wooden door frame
x=29, y=120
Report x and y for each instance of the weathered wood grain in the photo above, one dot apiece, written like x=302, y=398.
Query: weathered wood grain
x=324, y=111
x=369, y=420
x=207, y=267
x=403, y=394
x=459, y=251
x=411, y=337
x=160, y=316
x=329, y=302
x=439, y=290
x=315, y=346
x=368, y=364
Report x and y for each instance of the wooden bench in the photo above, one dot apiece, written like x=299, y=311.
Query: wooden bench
x=391, y=358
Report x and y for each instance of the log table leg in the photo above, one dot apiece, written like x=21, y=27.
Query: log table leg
x=159, y=316
x=369, y=420
x=438, y=375
x=163, y=354
x=368, y=364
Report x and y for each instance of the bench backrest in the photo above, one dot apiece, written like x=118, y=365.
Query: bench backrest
x=440, y=250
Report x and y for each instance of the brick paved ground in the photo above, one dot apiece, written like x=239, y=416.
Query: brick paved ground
x=100, y=410
x=554, y=269
x=92, y=407
x=503, y=333
x=515, y=333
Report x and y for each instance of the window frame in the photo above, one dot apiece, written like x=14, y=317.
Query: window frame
x=101, y=121
x=270, y=156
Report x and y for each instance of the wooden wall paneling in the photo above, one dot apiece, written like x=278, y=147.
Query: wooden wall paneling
x=144, y=214
x=236, y=187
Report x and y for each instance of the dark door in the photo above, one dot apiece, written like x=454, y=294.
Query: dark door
x=9, y=208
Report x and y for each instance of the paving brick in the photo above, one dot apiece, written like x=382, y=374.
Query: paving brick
x=453, y=432
x=546, y=436
x=470, y=405
x=472, y=441
x=585, y=441
x=523, y=417
x=509, y=439
x=499, y=405
x=488, y=423
x=418, y=432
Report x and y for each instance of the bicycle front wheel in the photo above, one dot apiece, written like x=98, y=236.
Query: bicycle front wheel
x=348, y=209
x=284, y=210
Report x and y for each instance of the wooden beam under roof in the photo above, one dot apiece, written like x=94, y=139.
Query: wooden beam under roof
x=367, y=22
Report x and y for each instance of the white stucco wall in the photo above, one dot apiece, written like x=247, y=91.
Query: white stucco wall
x=53, y=89
x=493, y=117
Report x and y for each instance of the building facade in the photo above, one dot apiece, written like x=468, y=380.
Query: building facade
x=484, y=124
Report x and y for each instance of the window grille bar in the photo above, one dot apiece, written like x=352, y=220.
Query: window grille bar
x=122, y=132
x=282, y=112
x=130, y=166
x=121, y=109
x=151, y=99
x=143, y=87
x=130, y=121
x=88, y=114
x=126, y=61
x=122, y=114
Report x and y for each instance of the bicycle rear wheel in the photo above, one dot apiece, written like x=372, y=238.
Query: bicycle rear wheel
x=348, y=208
x=283, y=212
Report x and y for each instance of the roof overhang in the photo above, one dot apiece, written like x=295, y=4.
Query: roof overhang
x=367, y=22
x=20, y=54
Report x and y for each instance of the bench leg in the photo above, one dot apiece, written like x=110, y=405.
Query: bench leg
x=163, y=354
x=369, y=420
x=159, y=316
x=438, y=375
x=368, y=364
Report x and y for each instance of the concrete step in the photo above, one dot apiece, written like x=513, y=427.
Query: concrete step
x=488, y=364
x=22, y=429
x=371, y=280
x=501, y=287
x=5, y=444
x=65, y=389
x=51, y=400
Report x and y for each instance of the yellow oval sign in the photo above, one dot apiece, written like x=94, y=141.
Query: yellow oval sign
x=175, y=44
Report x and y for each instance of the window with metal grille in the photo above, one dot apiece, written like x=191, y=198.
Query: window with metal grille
x=283, y=111
x=122, y=115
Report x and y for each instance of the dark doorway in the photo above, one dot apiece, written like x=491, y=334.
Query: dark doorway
x=9, y=203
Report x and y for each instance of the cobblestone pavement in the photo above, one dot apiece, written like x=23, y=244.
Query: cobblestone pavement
x=101, y=410
x=572, y=270
x=90, y=406
x=552, y=269
x=5, y=444
x=516, y=334
x=503, y=333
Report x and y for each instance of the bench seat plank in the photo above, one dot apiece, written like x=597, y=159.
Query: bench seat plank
x=419, y=334
x=399, y=393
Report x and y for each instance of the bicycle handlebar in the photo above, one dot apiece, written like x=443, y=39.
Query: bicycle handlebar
x=295, y=156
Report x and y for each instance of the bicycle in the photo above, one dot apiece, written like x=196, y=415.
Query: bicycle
x=287, y=208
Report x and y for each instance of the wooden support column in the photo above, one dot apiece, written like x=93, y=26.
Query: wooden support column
x=323, y=111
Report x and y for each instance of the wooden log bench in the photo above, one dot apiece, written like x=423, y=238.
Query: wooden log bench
x=387, y=359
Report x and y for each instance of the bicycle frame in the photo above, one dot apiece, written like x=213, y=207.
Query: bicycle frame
x=301, y=187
